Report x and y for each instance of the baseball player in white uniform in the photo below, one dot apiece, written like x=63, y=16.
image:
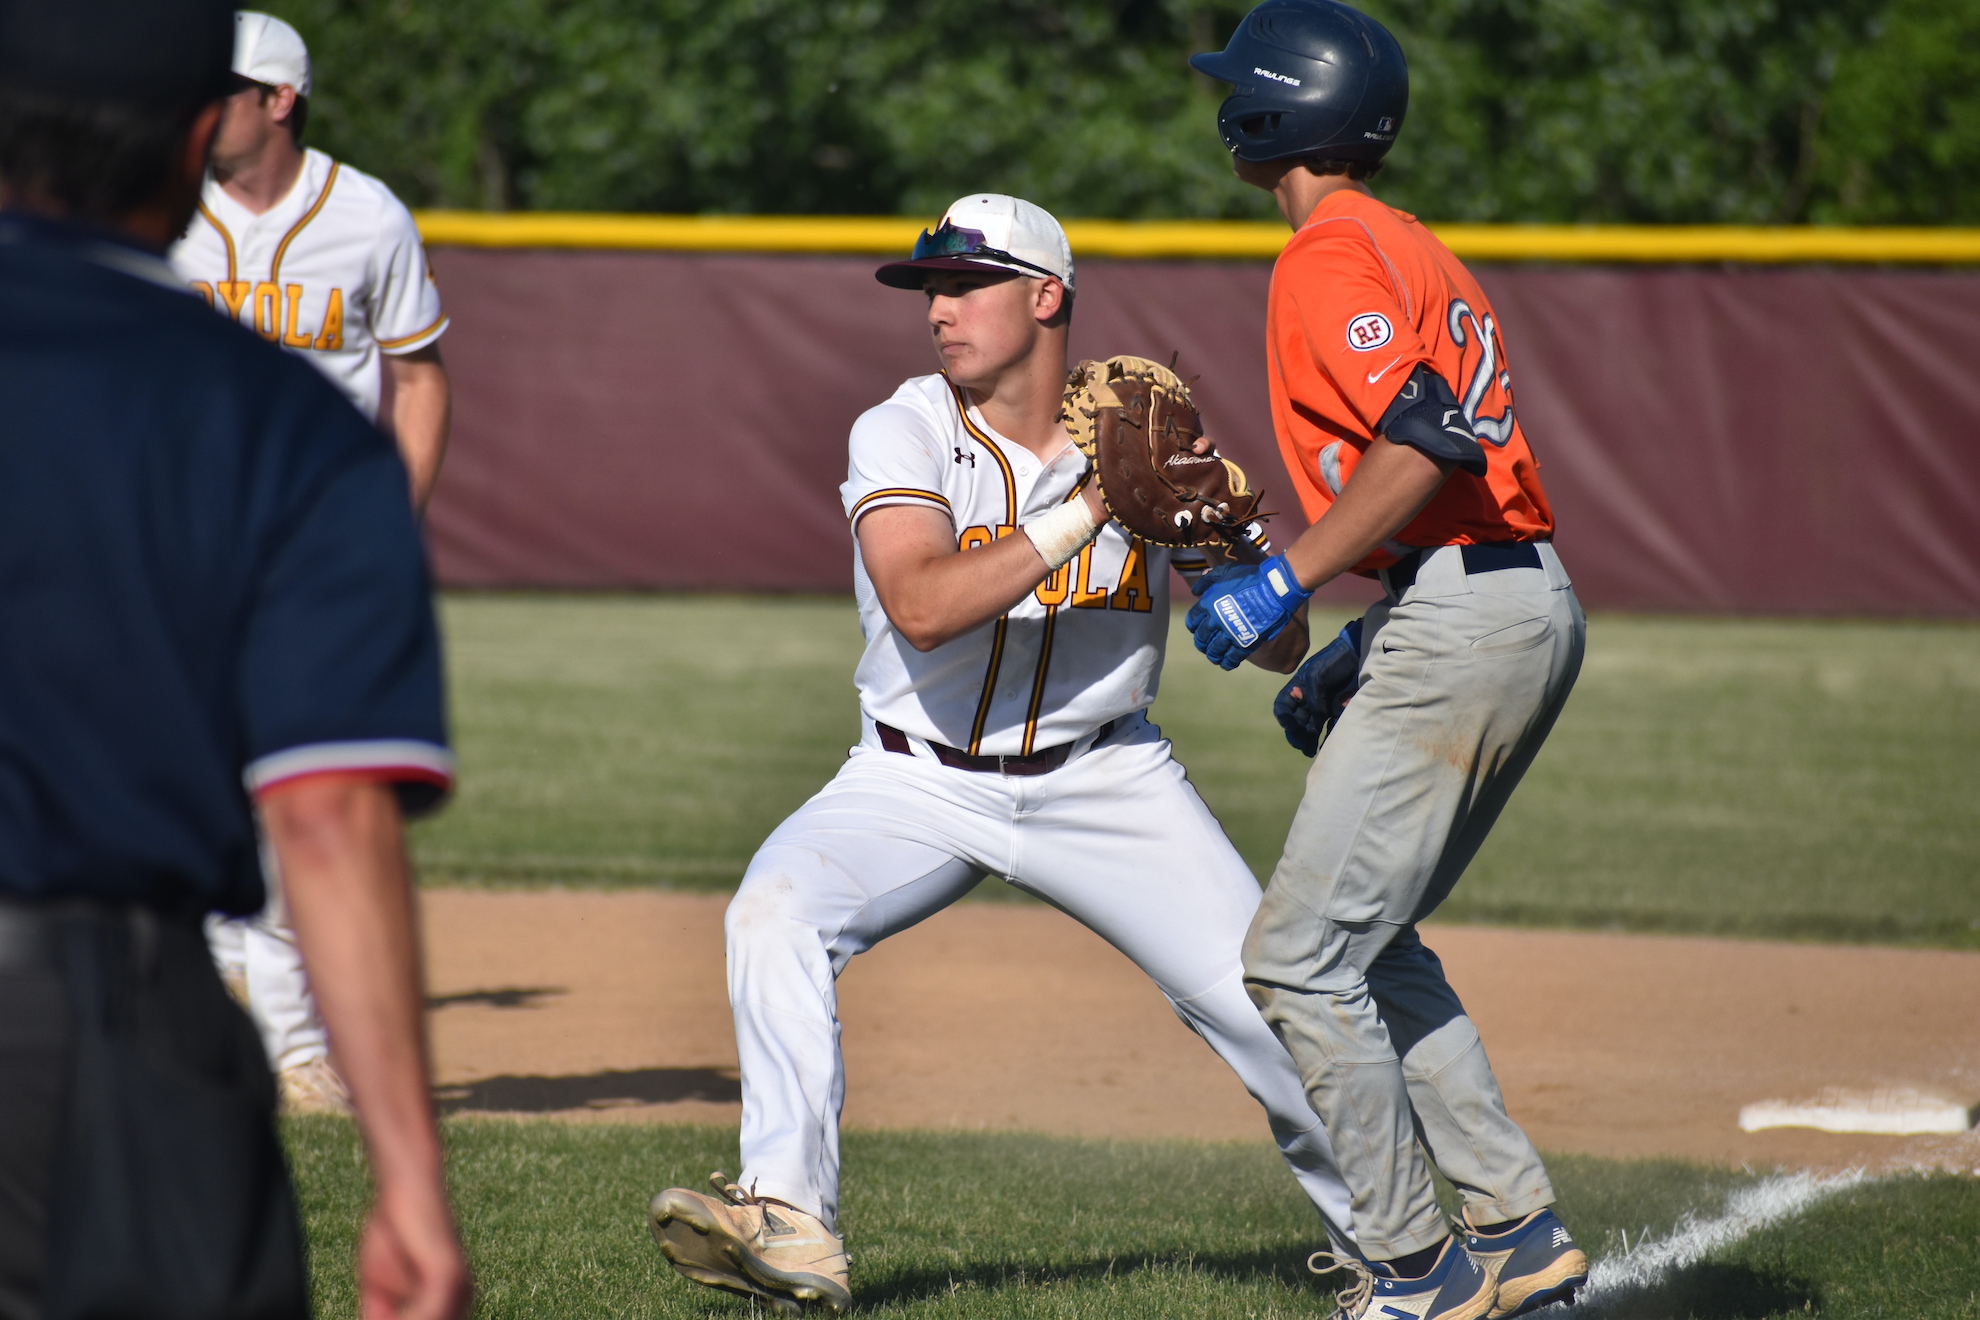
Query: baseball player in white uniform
x=317, y=256
x=1014, y=641
x=325, y=261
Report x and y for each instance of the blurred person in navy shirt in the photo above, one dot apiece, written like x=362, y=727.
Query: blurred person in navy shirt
x=212, y=598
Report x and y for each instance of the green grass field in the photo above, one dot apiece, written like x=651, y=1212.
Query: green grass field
x=1797, y=779
x=977, y=1225
x=1768, y=778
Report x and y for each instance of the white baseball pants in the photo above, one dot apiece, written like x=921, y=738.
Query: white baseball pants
x=262, y=951
x=1117, y=838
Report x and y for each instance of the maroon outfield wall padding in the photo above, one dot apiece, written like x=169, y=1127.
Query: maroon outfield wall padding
x=1779, y=441
x=1785, y=441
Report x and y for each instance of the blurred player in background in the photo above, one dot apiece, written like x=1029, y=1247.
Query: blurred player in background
x=1392, y=396
x=323, y=260
x=1014, y=642
x=316, y=256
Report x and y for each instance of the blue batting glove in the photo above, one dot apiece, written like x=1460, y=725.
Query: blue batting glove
x=1241, y=607
x=1312, y=700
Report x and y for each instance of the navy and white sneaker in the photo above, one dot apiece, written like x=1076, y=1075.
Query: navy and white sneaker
x=1534, y=1263
x=1457, y=1288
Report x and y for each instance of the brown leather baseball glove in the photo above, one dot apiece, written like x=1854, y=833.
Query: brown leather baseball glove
x=1135, y=421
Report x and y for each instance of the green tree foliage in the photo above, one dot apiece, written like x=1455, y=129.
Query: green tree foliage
x=1696, y=111
x=1528, y=110
x=847, y=106
x=1901, y=133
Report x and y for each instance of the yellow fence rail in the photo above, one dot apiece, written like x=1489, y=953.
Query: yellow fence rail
x=1221, y=240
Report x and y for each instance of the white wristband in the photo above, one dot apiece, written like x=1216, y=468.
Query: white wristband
x=1062, y=533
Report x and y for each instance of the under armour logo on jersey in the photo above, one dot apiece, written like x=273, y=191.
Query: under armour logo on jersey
x=962, y=457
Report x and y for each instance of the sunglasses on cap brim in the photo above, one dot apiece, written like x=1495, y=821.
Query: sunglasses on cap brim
x=950, y=240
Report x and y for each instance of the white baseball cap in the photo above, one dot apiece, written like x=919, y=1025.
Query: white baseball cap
x=987, y=230
x=270, y=51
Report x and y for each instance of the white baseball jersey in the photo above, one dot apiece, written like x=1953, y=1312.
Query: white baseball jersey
x=1084, y=648
x=334, y=271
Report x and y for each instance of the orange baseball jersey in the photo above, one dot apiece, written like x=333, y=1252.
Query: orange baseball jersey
x=1360, y=296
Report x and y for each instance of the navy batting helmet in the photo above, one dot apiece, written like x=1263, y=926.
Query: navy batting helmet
x=1309, y=78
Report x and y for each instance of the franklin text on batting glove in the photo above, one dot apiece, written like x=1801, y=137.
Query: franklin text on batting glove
x=1241, y=607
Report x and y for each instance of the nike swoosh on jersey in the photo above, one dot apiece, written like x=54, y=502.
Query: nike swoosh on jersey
x=1374, y=376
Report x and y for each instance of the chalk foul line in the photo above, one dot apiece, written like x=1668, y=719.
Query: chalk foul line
x=1748, y=1210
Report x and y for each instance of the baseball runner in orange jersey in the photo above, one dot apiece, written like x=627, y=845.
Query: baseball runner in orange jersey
x=1363, y=299
x=1392, y=396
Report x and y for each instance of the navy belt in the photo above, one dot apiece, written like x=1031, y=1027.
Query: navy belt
x=1477, y=559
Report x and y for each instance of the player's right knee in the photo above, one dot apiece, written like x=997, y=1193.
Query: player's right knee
x=769, y=904
x=753, y=908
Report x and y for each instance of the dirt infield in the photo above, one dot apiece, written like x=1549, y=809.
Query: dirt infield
x=611, y=1005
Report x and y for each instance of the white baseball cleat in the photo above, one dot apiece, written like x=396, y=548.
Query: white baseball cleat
x=758, y=1248
x=314, y=1088
x=705, y=1257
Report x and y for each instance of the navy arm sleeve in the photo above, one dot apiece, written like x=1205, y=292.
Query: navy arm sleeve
x=1426, y=416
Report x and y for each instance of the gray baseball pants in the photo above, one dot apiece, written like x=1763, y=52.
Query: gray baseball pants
x=1462, y=678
